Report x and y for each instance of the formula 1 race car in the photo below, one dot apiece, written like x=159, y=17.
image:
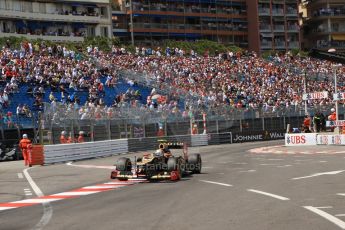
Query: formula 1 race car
x=160, y=165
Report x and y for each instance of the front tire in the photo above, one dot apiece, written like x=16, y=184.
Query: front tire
x=124, y=164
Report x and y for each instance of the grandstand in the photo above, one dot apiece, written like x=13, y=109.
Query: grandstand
x=190, y=81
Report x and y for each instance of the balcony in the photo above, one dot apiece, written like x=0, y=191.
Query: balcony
x=264, y=11
x=187, y=8
x=278, y=12
x=265, y=28
x=293, y=28
x=189, y=28
x=290, y=12
x=279, y=45
x=266, y=45
x=51, y=17
x=293, y=45
x=329, y=12
x=45, y=37
x=279, y=28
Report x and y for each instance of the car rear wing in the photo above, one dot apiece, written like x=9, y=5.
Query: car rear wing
x=174, y=145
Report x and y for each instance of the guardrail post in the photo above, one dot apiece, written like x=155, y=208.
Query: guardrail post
x=40, y=128
x=263, y=124
x=92, y=132
x=72, y=130
x=2, y=132
x=108, y=129
x=144, y=125
x=241, y=128
x=217, y=126
x=165, y=128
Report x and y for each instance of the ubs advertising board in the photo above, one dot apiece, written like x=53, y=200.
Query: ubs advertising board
x=300, y=139
x=257, y=136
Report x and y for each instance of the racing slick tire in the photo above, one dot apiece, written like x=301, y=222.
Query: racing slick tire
x=172, y=164
x=124, y=164
x=195, y=163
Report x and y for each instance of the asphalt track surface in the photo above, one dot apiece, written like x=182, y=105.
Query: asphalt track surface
x=237, y=190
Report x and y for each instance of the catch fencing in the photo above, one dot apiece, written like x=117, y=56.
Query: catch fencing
x=102, y=123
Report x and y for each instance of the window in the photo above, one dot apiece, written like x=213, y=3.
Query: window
x=104, y=12
x=2, y=5
x=8, y=4
x=42, y=8
x=104, y=31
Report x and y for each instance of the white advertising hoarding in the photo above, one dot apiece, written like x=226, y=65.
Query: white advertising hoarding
x=300, y=139
x=315, y=95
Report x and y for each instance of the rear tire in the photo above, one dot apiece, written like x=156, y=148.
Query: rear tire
x=124, y=164
x=195, y=163
x=172, y=164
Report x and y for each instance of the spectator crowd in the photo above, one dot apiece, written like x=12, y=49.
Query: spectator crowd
x=239, y=80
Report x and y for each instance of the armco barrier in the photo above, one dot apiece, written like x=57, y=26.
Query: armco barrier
x=71, y=152
x=80, y=151
x=199, y=140
x=300, y=139
x=219, y=138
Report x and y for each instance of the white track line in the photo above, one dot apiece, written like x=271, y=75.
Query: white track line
x=341, y=194
x=20, y=175
x=268, y=194
x=319, y=174
x=340, y=215
x=327, y=216
x=213, y=182
x=251, y=170
x=47, y=208
x=283, y=166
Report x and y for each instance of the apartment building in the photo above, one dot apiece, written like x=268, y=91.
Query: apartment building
x=151, y=21
x=255, y=24
x=325, y=26
x=55, y=20
x=273, y=25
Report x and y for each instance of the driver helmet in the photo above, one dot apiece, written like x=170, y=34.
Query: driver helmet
x=159, y=152
x=332, y=110
x=63, y=133
x=25, y=136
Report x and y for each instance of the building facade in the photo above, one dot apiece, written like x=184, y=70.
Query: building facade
x=255, y=24
x=152, y=21
x=325, y=27
x=273, y=25
x=55, y=20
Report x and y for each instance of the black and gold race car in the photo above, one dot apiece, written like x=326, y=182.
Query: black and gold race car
x=160, y=165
